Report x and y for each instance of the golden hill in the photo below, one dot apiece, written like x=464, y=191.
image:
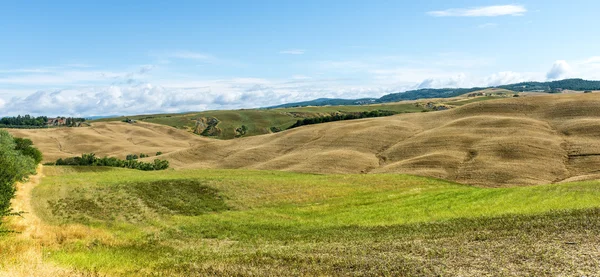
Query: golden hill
x=514, y=141
x=108, y=139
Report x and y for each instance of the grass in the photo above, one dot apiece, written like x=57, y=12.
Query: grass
x=473, y=100
x=243, y=222
x=260, y=121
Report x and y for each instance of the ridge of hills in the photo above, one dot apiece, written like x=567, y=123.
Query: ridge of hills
x=506, y=142
x=224, y=124
x=424, y=93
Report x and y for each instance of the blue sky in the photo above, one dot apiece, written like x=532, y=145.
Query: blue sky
x=129, y=57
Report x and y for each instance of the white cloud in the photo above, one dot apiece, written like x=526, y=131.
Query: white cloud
x=500, y=10
x=293, y=51
x=456, y=81
x=141, y=98
x=560, y=70
x=2, y=103
x=507, y=77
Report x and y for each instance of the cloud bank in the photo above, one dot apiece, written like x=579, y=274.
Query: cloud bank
x=137, y=92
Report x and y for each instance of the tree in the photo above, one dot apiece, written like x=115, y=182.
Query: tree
x=14, y=167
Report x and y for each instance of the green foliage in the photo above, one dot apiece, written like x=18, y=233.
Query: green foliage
x=17, y=161
x=159, y=153
x=339, y=117
x=275, y=129
x=135, y=156
x=30, y=122
x=554, y=86
x=241, y=131
x=425, y=93
x=26, y=147
x=130, y=162
x=24, y=121
x=131, y=157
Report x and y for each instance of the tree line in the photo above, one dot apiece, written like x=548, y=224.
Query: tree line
x=91, y=160
x=18, y=159
x=28, y=121
x=570, y=84
x=25, y=120
x=340, y=117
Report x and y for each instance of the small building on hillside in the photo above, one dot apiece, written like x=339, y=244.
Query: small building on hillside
x=59, y=121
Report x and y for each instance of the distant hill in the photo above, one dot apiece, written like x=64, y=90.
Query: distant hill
x=426, y=93
x=328, y=102
x=567, y=84
x=548, y=87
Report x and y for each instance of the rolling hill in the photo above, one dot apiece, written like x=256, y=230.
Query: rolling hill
x=426, y=93
x=258, y=121
x=109, y=139
x=511, y=141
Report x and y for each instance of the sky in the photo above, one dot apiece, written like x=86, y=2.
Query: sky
x=90, y=58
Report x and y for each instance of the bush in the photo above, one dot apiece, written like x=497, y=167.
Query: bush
x=92, y=160
x=17, y=161
x=339, y=117
x=275, y=129
x=27, y=149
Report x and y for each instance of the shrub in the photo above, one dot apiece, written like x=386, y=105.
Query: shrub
x=17, y=161
x=92, y=160
x=275, y=129
x=339, y=117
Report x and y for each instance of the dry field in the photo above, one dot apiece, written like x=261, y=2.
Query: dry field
x=513, y=141
x=109, y=139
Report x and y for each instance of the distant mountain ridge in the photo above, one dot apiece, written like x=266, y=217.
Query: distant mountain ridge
x=328, y=102
x=424, y=93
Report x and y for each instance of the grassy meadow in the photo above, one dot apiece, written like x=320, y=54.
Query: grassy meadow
x=119, y=222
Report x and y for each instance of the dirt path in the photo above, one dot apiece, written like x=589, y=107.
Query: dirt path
x=29, y=223
x=25, y=249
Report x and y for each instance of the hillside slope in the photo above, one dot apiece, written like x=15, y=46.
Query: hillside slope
x=511, y=141
x=520, y=141
x=257, y=121
x=109, y=139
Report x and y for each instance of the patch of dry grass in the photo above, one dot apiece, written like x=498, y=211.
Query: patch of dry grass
x=23, y=251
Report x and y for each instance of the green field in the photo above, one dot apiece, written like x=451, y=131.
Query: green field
x=265, y=223
x=260, y=121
